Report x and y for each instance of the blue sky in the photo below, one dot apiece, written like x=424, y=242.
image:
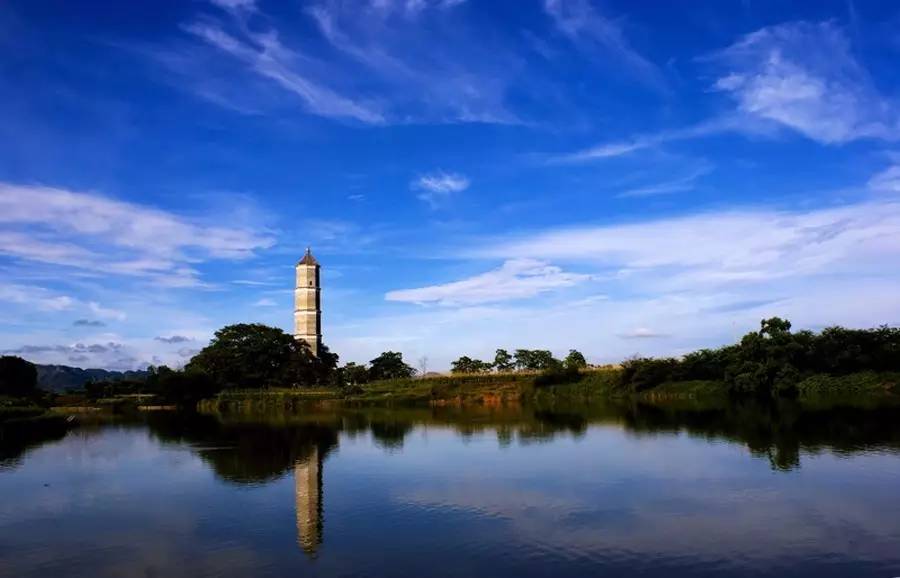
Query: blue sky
x=617, y=177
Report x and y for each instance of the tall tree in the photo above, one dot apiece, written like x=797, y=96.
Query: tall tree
x=503, y=361
x=575, y=360
x=389, y=365
x=254, y=355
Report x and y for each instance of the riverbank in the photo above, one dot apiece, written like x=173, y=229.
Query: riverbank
x=869, y=388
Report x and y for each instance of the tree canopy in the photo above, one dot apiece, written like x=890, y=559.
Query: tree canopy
x=468, y=365
x=575, y=360
x=773, y=360
x=533, y=359
x=253, y=355
x=503, y=361
x=18, y=378
x=389, y=365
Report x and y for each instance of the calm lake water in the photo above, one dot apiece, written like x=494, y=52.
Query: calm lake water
x=612, y=491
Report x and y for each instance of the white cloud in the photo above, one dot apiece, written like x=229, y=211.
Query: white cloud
x=104, y=235
x=800, y=75
x=515, y=279
x=642, y=333
x=105, y=312
x=438, y=186
x=265, y=302
x=36, y=297
x=887, y=181
x=804, y=76
x=720, y=247
x=699, y=280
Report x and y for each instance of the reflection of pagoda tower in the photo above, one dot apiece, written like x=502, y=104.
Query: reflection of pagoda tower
x=308, y=488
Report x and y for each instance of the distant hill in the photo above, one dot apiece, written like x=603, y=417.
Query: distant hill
x=59, y=378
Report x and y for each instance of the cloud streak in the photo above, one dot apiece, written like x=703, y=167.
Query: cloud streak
x=266, y=56
x=104, y=235
x=515, y=279
x=586, y=26
x=439, y=186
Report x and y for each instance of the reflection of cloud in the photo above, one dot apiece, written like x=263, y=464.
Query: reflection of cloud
x=46, y=524
x=627, y=497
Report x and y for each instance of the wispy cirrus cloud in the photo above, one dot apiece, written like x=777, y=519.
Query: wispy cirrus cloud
x=103, y=235
x=584, y=24
x=680, y=184
x=266, y=55
x=438, y=186
x=725, y=124
x=515, y=279
x=368, y=73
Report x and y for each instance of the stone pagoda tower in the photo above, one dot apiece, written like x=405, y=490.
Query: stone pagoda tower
x=307, y=304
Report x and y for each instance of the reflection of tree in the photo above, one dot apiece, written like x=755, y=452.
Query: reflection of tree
x=246, y=452
x=19, y=436
x=390, y=433
x=778, y=431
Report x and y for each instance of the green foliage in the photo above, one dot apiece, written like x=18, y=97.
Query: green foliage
x=468, y=365
x=644, y=373
x=252, y=355
x=18, y=377
x=575, y=360
x=354, y=374
x=533, y=359
x=181, y=387
x=389, y=365
x=558, y=373
x=503, y=361
x=865, y=382
x=774, y=361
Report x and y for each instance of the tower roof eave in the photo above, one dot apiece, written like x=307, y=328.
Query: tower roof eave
x=308, y=259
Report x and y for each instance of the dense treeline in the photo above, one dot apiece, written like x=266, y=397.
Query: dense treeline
x=519, y=360
x=18, y=378
x=773, y=360
x=256, y=356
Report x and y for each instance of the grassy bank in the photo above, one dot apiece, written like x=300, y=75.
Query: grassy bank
x=504, y=388
x=447, y=390
x=18, y=408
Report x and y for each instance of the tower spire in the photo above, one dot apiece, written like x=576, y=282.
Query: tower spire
x=307, y=303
